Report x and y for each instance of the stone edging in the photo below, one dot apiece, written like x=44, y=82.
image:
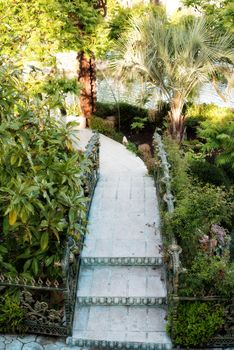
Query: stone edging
x=123, y=261
x=117, y=344
x=121, y=301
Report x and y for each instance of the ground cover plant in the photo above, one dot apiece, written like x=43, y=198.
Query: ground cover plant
x=197, y=322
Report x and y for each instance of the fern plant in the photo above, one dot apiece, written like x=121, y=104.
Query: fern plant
x=219, y=139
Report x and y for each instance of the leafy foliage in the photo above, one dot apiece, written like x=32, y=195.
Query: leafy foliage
x=197, y=113
x=132, y=147
x=11, y=315
x=220, y=12
x=139, y=123
x=208, y=275
x=127, y=114
x=106, y=127
x=41, y=184
x=197, y=207
x=196, y=323
x=219, y=139
x=38, y=29
x=208, y=173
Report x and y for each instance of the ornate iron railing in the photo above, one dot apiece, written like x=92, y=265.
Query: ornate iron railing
x=174, y=268
x=163, y=185
x=49, y=304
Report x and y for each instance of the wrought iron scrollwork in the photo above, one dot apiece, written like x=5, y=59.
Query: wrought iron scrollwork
x=229, y=320
x=39, y=312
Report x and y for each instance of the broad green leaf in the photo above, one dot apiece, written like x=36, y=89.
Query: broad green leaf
x=26, y=254
x=13, y=159
x=12, y=217
x=27, y=265
x=49, y=260
x=44, y=241
x=3, y=249
x=5, y=224
x=9, y=267
x=35, y=267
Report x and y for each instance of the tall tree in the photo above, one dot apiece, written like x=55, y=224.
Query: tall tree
x=175, y=57
x=38, y=29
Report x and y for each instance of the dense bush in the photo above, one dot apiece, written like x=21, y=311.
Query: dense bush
x=208, y=276
x=208, y=173
x=128, y=112
x=11, y=315
x=105, y=127
x=197, y=322
x=198, y=205
x=179, y=167
x=41, y=189
x=201, y=206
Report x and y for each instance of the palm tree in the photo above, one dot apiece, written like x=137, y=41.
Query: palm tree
x=175, y=57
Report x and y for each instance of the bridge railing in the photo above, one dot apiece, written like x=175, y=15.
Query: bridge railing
x=165, y=196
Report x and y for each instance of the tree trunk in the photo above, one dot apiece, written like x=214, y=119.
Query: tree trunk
x=87, y=74
x=176, y=118
x=87, y=77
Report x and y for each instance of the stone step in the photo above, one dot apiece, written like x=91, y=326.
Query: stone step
x=123, y=251
x=122, y=248
x=121, y=285
x=121, y=327
x=122, y=261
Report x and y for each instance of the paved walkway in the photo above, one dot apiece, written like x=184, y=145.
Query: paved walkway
x=120, y=300
x=121, y=297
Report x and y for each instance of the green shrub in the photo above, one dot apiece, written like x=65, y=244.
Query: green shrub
x=105, y=127
x=201, y=206
x=102, y=126
x=127, y=114
x=11, y=315
x=132, y=147
x=41, y=191
x=208, y=173
x=208, y=276
x=197, y=206
x=106, y=109
x=196, y=323
x=179, y=167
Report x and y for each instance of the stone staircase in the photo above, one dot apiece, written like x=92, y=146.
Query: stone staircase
x=121, y=296
x=121, y=307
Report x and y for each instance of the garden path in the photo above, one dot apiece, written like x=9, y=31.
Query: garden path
x=121, y=296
